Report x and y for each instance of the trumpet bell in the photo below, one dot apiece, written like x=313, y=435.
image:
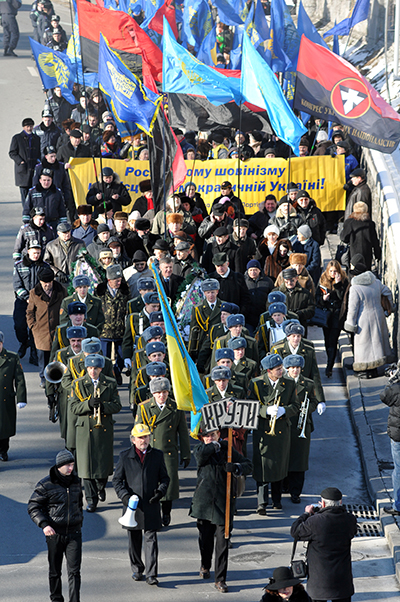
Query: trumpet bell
x=54, y=372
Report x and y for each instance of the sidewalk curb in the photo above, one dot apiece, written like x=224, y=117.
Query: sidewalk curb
x=374, y=481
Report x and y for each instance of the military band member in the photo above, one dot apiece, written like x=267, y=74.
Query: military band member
x=235, y=325
x=144, y=285
x=141, y=471
x=204, y=316
x=94, y=399
x=136, y=324
x=142, y=393
x=150, y=335
x=76, y=317
x=225, y=358
x=300, y=446
x=155, y=352
x=294, y=344
x=271, y=331
x=94, y=310
x=57, y=395
x=278, y=402
x=215, y=332
x=169, y=433
x=242, y=364
x=13, y=385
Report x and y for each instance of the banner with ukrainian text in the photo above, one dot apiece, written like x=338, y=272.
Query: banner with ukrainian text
x=322, y=176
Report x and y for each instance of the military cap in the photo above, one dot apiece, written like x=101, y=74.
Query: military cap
x=140, y=430
x=155, y=347
x=159, y=384
x=332, y=493
x=276, y=297
x=156, y=316
x=293, y=361
x=151, y=298
x=229, y=308
x=113, y=272
x=50, y=150
x=294, y=328
x=151, y=332
x=271, y=361
x=210, y=284
x=76, y=332
x=76, y=307
x=95, y=360
x=34, y=244
x=235, y=320
x=237, y=343
x=37, y=211
x=220, y=373
x=224, y=352
x=277, y=308
x=47, y=172
x=146, y=284
x=156, y=369
x=81, y=280
x=219, y=258
x=91, y=345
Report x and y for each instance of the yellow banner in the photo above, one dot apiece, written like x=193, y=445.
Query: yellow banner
x=323, y=177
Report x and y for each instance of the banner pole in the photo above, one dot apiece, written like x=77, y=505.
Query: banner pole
x=238, y=180
x=164, y=193
x=74, y=40
x=228, y=488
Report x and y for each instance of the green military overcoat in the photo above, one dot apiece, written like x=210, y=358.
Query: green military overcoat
x=251, y=349
x=61, y=340
x=170, y=434
x=94, y=446
x=299, y=447
x=271, y=454
x=94, y=310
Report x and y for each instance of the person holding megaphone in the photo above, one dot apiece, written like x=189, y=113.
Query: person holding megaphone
x=140, y=481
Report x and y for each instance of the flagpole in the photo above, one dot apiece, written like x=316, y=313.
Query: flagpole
x=74, y=41
x=164, y=194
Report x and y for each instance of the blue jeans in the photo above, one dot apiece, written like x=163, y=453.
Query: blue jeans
x=395, y=447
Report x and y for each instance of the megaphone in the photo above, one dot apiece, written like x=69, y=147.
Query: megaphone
x=128, y=520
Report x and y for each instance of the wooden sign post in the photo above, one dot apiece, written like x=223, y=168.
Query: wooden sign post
x=230, y=413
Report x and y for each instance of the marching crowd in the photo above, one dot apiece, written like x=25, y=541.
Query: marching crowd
x=87, y=308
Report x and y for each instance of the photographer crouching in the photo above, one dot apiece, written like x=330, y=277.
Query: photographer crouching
x=390, y=396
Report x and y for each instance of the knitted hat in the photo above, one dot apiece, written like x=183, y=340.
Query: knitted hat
x=305, y=230
x=64, y=457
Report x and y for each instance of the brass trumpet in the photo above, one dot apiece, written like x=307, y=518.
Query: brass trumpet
x=97, y=411
x=272, y=422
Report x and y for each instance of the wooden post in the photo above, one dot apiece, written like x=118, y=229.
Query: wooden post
x=228, y=488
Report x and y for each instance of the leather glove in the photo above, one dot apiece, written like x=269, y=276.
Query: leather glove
x=185, y=462
x=272, y=410
x=281, y=412
x=156, y=497
x=321, y=407
x=21, y=405
x=236, y=469
x=127, y=363
x=51, y=400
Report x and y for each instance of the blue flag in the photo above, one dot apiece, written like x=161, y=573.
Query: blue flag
x=130, y=100
x=208, y=50
x=230, y=12
x=250, y=29
x=306, y=27
x=360, y=13
x=55, y=69
x=261, y=87
x=74, y=44
x=284, y=37
x=260, y=21
x=183, y=73
x=197, y=23
x=150, y=8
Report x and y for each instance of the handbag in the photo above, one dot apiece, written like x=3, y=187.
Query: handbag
x=320, y=318
x=299, y=567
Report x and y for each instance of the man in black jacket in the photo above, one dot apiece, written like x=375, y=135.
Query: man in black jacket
x=46, y=195
x=56, y=507
x=329, y=531
x=73, y=148
x=25, y=152
x=47, y=131
x=109, y=189
x=232, y=284
x=298, y=299
x=141, y=471
x=391, y=397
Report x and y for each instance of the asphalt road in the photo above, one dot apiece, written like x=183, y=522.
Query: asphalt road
x=260, y=543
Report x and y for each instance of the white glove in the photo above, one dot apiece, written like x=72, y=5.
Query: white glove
x=21, y=405
x=321, y=407
x=127, y=363
x=272, y=410
x=281, y=412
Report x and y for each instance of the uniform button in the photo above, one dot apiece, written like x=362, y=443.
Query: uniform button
x=169, y=453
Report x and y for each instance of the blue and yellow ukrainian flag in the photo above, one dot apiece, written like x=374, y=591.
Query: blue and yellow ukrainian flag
x=188, y=389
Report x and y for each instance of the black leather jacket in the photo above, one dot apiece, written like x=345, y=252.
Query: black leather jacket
x=52, y=504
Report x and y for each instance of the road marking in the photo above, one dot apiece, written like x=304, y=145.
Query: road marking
x=33, y=71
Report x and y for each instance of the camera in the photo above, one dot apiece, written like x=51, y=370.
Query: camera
x=316, y=507
x=393, y=373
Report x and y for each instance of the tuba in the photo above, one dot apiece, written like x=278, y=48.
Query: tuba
x=54, y=372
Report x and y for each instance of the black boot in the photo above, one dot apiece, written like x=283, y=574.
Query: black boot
x=331, y=356
x=33, y=358
x=22, y=349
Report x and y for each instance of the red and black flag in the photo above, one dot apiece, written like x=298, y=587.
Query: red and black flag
x=331, y=88
x=123, y=35
x=167, y=10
